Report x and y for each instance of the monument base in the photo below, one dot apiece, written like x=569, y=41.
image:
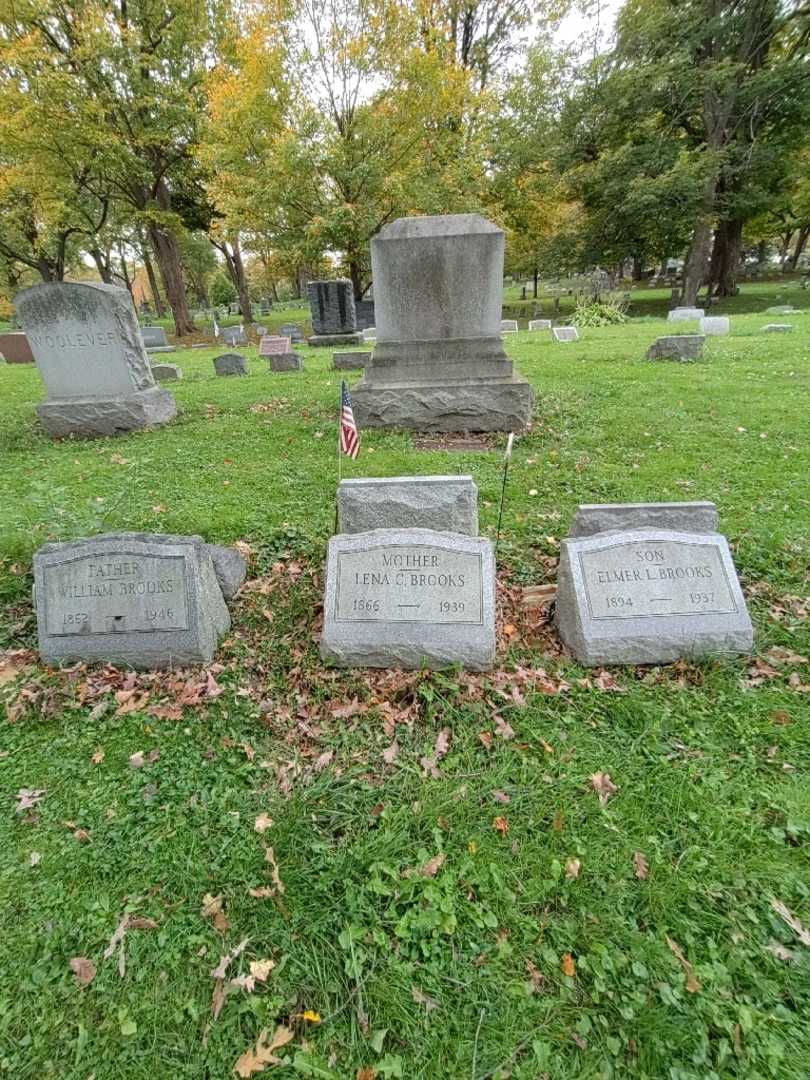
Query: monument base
x=107, y=416
x=322, y=340
x=502, y=405
x=160, y=349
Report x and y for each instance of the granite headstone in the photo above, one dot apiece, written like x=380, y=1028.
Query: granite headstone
x=540, y=324
x=650, y=596
x=509, y=326
x=331, y=305
x=350, y=361
x=409, y=598
x=691, y=517
x=230, y=364
x=686, y=314
x=167, y=372
x=88, y=349
x=715, y=325
x=443, y=503
x=565, y=333
x=15, y=348
x=683, y=347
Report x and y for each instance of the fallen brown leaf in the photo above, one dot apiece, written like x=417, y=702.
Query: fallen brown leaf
x=98, y=757
x=603, y=786
x=84, y=970
x=260, y=969
x=501, y=797
x=503, y=729
x=572, y=868
x=323, y=760
x=28, y=797
x=390, y=754
x=568, y=966
x=429, y=868
x=421, y=998
x=257, y=1058
x=641, y=866
x=787, y=915
x=486, y=739
x=692, y=984
x=274, y=874
x=501, y=824
x=536, y=978
x=212, y=909
x=263, y=823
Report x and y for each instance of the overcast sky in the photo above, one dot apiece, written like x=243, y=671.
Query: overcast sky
x=576, y=25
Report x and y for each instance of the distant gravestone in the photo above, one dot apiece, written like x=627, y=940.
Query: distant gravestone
x=693, y=517
x=260, y=330
x=650, y=596
x=686, y=314
x=364, y=314
x=443, y=503
x=271, y=346
x=290, y=361
x=350, y=361
x=781, y=309
x=233, y=335
x=154, y=340
x=409, y=598
x=230, y=364
x=777, y=328
x=88, y=348
x=15, y=348
x=293, y=332
x=540, y=324
x=138, y=599
x=334, y=320
x=370, y=333
x=715, y=325
x=565, y=333
x=683, y=347
x=509, y=326
x=167, y=372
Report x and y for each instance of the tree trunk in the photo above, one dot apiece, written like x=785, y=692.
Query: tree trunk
x=697, y=261
x=535, y=281
x=240, y=282
x=762, y=252
x=274, y=292
x=167, y=254
x=801, y=243
x=725, y=260
x=355, y=273
x=160, y=310
x=45, y=270
x=638, y=268
x=103, y=266
x=783, y=254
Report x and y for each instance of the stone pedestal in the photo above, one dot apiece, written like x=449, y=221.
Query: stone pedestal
x=88, y=348
x=335, y=341
x=439, y=362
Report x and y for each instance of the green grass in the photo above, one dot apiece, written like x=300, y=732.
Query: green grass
x=711, y=768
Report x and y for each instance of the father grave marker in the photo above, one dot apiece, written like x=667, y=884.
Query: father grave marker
x=650, y=596
x=409, y=598
x=141, y=599
x=88, y=348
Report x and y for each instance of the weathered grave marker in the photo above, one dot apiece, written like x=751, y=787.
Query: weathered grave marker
x=167, y=372
x=686, y=314
x=146, y=600
x=408, y=598
x=230, y=364
x=334, y=320
x=233, y=335
x=691, y=517
x=88, y=349
x=270, y=346
x=565, y=333
x=650, y=596
x=540, y=324
x=155, y=341
x=443, y=503
x=509, y=326
x=350, y=361
x=777, y=328
x=682, y=347
x=15, y=348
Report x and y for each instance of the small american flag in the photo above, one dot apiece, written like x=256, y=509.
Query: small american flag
x=349, y=435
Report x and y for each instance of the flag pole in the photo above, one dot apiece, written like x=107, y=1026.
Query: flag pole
x=339, y=455
x=507, y=457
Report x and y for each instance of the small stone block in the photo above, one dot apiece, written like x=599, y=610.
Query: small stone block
x=230, y=566
x=650, y=596
x=565, y=333
x=694, y=517
x=154, y=337
x=350, y=361
x=777, y=328
x=335, y=341
x=291, y=361
x=683, y=347
x=167, y=372
x=686, y=314
x=409, y=598
x=230, y=364
x=509, y=326
x=271, y=345
x=370, y=333
x=443, y=503
x=540, y=324
x=715, y=325
x=140, y=599
x=781, y=309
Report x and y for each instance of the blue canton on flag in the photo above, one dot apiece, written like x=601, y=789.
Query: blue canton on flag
x=349, y=435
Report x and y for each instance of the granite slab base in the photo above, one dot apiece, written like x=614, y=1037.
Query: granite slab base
x=505, y=405
x=335, y=340
x=107, y=416
x=160, y=349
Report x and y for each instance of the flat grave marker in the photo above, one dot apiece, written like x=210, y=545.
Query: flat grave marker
x=443, y=503
x=509, y=326
x=683, y=347
x=686, y=314
x=715, y=325
x=270, y=346
x=565, y=333
x=540, y=324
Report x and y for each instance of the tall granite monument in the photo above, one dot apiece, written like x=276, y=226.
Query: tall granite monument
x=439, y=363
x=88, y=348
x=334, y=318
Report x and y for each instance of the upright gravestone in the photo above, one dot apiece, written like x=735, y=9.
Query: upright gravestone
x=409, y=598
x=691, y=517
x=650, y=596
x=540, y=324
x=350, y=361
x=230, y=364
x=234, y=335
x=87, y=345
x=509, y=326
x=715, y=325
x=293, y=332
x=443, y=503
x=281, y=354
x=565, y=333
x=439, y=363
x=141, y=599
x=155, y=341
x=15, y=348
x=167, y=372
x=683, y=347
x=686, y=314
x=331, y=305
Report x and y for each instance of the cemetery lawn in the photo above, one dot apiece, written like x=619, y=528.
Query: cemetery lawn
x=443, y=877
